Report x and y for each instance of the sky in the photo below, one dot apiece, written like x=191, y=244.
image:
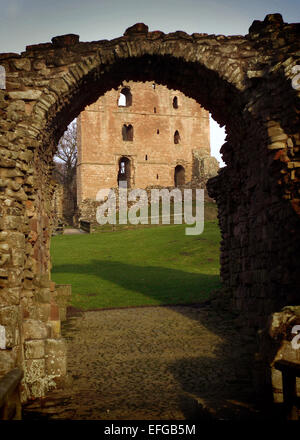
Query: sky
x=25, y=22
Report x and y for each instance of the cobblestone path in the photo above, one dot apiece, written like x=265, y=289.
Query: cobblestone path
x=179, y=362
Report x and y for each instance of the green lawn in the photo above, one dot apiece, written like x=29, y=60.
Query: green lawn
x=141, y=266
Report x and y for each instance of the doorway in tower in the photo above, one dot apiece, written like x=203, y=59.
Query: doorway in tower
x=124, y=173
x=179, y=175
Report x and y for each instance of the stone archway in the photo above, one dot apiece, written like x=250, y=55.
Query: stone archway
x=244, y=81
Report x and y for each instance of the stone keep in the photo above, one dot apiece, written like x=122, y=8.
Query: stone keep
x=168, y=131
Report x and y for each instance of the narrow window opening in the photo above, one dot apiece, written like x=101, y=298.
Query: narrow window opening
x=175, y=102
x=157, y=131
x=176, y=137
x=157, y=176
x=124, y=172
x=154, y=109
x=146, y=157
x=127, y=132
x=179, y=175
x=125, y=99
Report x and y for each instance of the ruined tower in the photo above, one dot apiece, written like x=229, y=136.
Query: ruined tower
x=143, y=133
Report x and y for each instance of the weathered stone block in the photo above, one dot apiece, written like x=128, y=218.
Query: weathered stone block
x=34, y=329
x=7, y=361
x=55, y=357
x=9, y=315
x=30, y=95
x=58, y=86
x=34, y=349
x=36, y=389
x=11, y=335
x=54, y=313
x=17, y=257
x=10, y=296
x=22, y=64
x=15, y=277
x=43, y=295
x=62, y=295
x=10, y=222
x=43, y=312
x=34, y=370
x=54, y=328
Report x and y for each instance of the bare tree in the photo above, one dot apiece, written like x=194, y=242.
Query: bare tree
x=64, y=172
x=67, y=153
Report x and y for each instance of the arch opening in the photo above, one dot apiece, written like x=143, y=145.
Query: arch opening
x=179, y=175
x=124, y=172
x=197, y=82
x=227, y=108
x=125, y=99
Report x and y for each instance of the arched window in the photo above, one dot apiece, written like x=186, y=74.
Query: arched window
x=127, y=132
x=124, y=172
x=125, y=99
x=176, y=137
x=2, y=77
x=175, y=102
x=179, y=175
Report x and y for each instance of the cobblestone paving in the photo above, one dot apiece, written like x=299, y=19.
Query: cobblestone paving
x=179, y=362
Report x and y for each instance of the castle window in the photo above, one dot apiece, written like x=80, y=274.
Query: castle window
x=124, y=173
x=157, y=176
x=154, y=109
x=127, y=132
x=179, y=175
x=157, y=131
x=176, y=137
x=175, y=102
x=125, y=99
x=146, y=157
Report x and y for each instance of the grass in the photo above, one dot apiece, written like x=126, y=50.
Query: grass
x=141, y=266
x=210, y=213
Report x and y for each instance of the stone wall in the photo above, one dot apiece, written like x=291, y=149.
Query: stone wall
x=256, y=192
x=58, y=204
x=63, y=205
x=248, y=83
x=204, y=166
